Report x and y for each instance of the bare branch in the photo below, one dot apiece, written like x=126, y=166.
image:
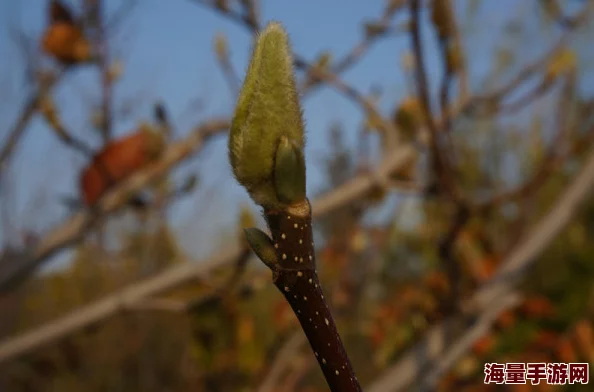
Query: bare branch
x=112, y=304
x=347, y=62
x=387, y=127
x=352, y=57
x=439, y=163
x=96, y=7
x=76, y=227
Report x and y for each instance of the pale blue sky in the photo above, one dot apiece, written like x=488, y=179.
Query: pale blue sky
x=166, y=47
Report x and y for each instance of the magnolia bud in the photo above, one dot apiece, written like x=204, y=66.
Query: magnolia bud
x=268, y=114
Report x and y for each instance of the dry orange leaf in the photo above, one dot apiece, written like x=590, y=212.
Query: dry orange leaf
x=118, y=160
x=64, y=39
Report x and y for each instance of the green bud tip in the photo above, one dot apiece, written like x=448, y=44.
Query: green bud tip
x=267, y=109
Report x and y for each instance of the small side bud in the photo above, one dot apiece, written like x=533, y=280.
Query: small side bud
x=289, y=172
x=262, y=246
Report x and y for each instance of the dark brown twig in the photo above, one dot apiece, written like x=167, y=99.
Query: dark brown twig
x=439, y=162
x=439, y=159
x=450, y=262
x=251, y=14
x=229, y=13
x=444, y=91
x=296, y=278
x=96, y=17
x=528, y=98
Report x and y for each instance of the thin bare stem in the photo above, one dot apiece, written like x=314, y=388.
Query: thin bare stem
x=440, y=165
x=101, y=42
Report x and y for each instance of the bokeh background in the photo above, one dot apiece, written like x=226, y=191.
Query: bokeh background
x=474, y=249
